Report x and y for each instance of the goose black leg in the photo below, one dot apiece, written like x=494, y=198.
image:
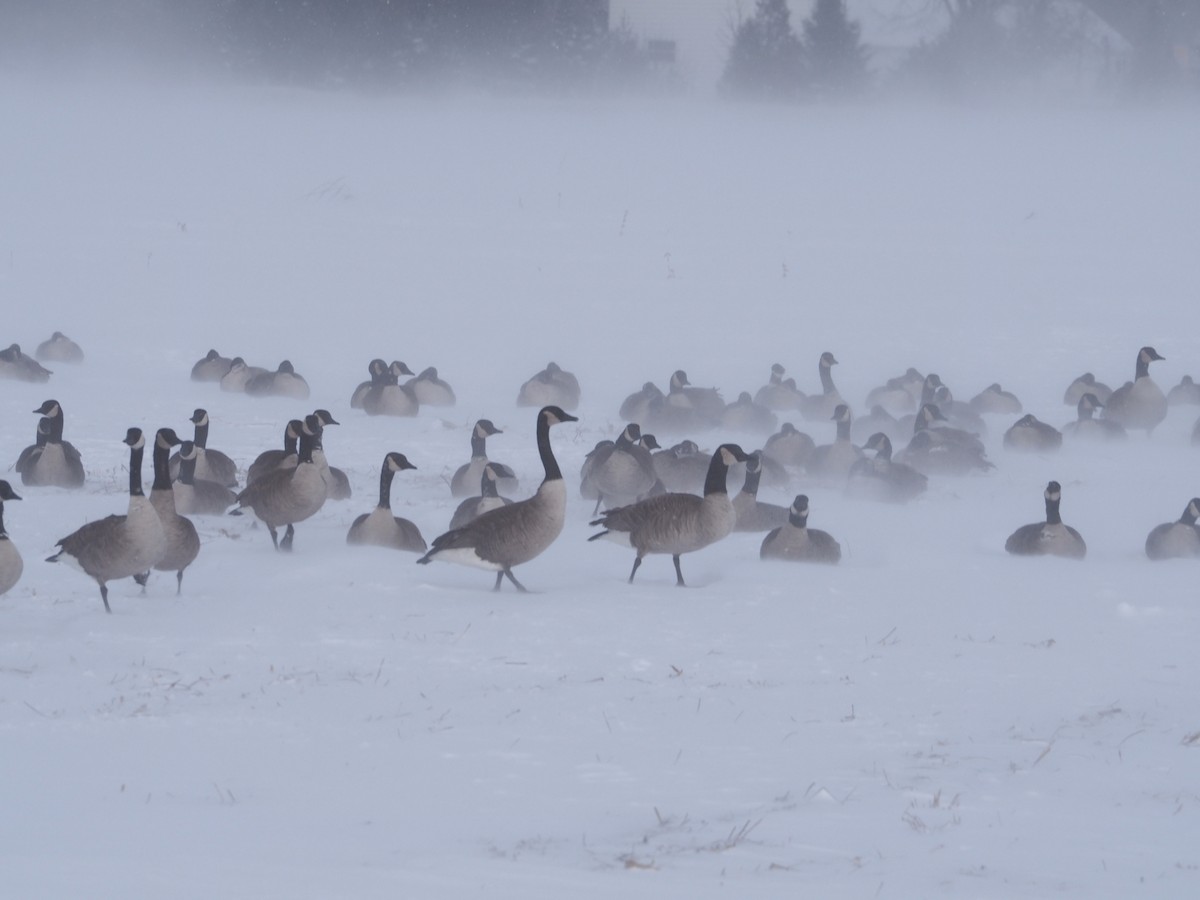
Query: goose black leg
x=678, y=572
x=274, y=536
x=286, y=543
x=499, y=578
x=179, y=582
x=104, y=596
x=637, y=561
x=520, y=587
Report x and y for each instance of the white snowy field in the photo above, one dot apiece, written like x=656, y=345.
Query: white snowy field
x=932, y=717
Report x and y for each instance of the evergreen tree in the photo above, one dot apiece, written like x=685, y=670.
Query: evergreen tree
x=765, y=58
x=835, y=59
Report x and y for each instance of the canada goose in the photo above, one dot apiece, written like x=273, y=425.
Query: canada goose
x=1086, y=427
x=618, y=472
x=789, y=447
x=744, y=415
x=936, y=450
x=239, y=374
x=955, y=413
x=778, y=394
x=489, y=497
x=1172, y=539
x=1186, y=393
x=707, y=402
x=289, y=495
x=466, y=476
x=430, y=390
x=212, y=367
x=283, y=382
x=1086, y=384
x=197, y=497
x=820, y=407
x=270, y=460
x=994, y=399
x=387, y=397
x=378, y=371
x=636, y=406
x=10, y=559
x=878, y=419
x=59, y=348
x=1140, y=403
x=183, y=544
x=379, y=527
x=210, y=465
x=796, y=542
x=16, y=365
x=34, y=450
x=883, y=479
x=752, y=513
x=553, y=386
x=833, y=462
x=898, y=395
x=1196, y=434
x=118, y=546
x=676, y=523
x=513, y=534
x=1029, y=434
x=682, y=467
x=1051, y=537
x=335, y=478
x=58, y=463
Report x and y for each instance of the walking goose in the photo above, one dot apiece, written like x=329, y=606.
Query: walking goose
x=1048, y=538
x=833, y=462
x=10, y=559
x=1031, y=435
x=197, y=497
x=796, y=542
x=551, y=386
x=379, y=527
x=1175, y=539
x=118, y=546
x=519, y=532
x=489, y=497
x=1140, y=403
x=618, y=472
x=752, y=513
x=211, y=465
x=58, y=463
x=59, y=348
x=676, y=523
x=1086, y=427
x=820, y=407
x=883, y=479
x=289, y=495
x=283, y=382
x=212, y=367
x=430, y=390
x=270, y=460
x=466, y=476
x=183, y=544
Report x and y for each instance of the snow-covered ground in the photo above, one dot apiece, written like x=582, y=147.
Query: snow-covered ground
x=932, y=717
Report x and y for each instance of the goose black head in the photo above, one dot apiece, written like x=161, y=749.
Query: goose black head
x=187, y=450
x=800, y=505
x=1149, y=354
x=827, y=360
x=6, y=491
x=485, y=428
x=199, y=417
x=1053, y=491
x=399, y=368
x=50, y=409
x=134, y=438
x=556, y=415
x=166, y=438
x=325, y=417
x=397, y=462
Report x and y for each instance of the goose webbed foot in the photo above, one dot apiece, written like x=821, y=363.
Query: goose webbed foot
x=508, y=573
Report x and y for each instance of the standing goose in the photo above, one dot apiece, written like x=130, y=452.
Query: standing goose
x=833, y=462
x=197, y=497
x=212, y=367
x=1175, y=539
x=289, y=495
x=270, y=460
x=752, y=513
x=59, y=348
x=519, y=532
x=118, y=546
x=551, y=386
x=1140, y=403
x=820, y=407
x=676, y=523
x=883, y=479
x=430, y=390
x=338, y=481
x=379, y=527
x=1086, y=384
x=466, y=476
x=283, y=382
x=488, y=499
x=183, y=544
x=10, y=559
x=796, y=542
x=378, y=370
x=1089, y=428
x=1049, y=538
x=58, y=464
x=618, y=472
x=211, y=465
x=1031, y=435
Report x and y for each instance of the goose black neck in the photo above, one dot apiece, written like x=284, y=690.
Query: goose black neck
x=3, y=533
x=385, y=486
x=201, y=438
x=1188, y=517
x=478, y=445
x=1085, y=412
x=753, y=476
x=928, y=389
x=43, y=433
x=290, y=442
x=162, y=470
x=827, y=379
x=54, y=432
x=1143, y=367
x=487, y=487
x=798, y=520
x=718, y=473
x=550, y=464
x=135, y=471
x=884, y=450
x=187, y=470
x=843, y=431
x=1052, y=515
x=308, y=443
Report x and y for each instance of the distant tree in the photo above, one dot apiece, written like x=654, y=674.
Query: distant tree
x=834, y=55
x=766, y=56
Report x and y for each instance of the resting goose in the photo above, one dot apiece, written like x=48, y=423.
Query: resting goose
x=778, y=393
x=878, y=419
x=744, y=415
x=993, y=399
x=1140, y=403
x=34, y=450
x=898, y=395
x=197, y=497
x=636, y=406
x=289, y=495
x=466, y=476
x=430, y=390
x=883, y=479
x=1085, y=427
x=618, y=472
x=213, y=367
x=489, y=497
x=1086, y=384
x=1176, y=539
x=676, y=523
x=820, y=407
x=378, y=370
x=796, y=542
x=59, y=348
x=118, y=546
x=705, y=402
x=387, y=397
x=789, y=447
x=283, y=382
x=1048, y=538
x=833, y=462
x=270, y=460
x=379, y=527
x=10, y=559
x=183, y=544
x=511, y=535
x=937, y=450
x=1186, y=393
x=553, y=386
x=752, y=513
x=1031, y=435
x=211, y=465
x=16, y=365
x=682, y=467
x=57, y=463
x=239, y=374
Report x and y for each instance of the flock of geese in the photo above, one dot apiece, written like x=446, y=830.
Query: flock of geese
x=653, y=500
